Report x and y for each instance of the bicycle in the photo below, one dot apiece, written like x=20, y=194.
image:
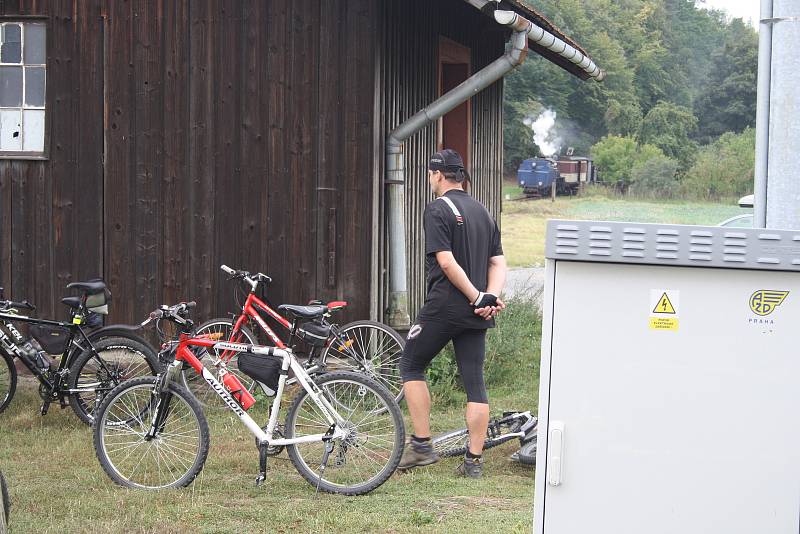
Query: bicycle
x=151, y=432
x=511, y=425
x=87, y=369
x=361, y=346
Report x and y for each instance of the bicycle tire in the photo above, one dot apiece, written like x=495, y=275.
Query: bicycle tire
x=455, y=443
x=380, y=348
x=195, y=383
x=5, y=505
x=8, y=380
x=108, y=420
x=85, y=371
x=381, y=409
x=527, y=453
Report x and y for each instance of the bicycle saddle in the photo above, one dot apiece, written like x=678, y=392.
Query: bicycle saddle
x=90, y=288
x=72, y=302
x=304, y=312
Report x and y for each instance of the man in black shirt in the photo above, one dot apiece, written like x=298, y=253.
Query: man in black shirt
x=466, y=272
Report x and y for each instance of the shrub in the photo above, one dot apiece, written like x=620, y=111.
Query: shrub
x=724, y=169
x=655, y=178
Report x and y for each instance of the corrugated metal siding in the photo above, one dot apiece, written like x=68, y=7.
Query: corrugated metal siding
x=408, y=81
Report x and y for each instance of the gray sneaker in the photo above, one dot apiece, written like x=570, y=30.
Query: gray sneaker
x=417, y=454
x=471, y=467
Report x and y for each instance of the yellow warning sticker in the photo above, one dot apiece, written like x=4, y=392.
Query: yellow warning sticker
x=664, y=323
x=664, y=305
x=664, y=309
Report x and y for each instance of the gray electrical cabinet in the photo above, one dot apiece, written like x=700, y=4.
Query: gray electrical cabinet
x=670, y=380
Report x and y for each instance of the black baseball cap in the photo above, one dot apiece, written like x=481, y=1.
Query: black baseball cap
x=446, y=160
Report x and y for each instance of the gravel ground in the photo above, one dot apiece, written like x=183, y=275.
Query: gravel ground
x=524, y=281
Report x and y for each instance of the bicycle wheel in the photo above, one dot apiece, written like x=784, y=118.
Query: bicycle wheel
x=527, y=453
x=455, y=443
x=368, y=455
x=5, y=505
x=195, y=383
x=371, y=348
x=8, y=380
x=89, y=381
x=172, y=459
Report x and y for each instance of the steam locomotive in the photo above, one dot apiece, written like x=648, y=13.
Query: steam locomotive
x=536, y=175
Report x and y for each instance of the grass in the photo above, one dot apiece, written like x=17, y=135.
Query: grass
x=57, y=484
x=524, y=222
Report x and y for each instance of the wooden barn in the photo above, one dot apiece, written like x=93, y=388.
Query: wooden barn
x=150, y=141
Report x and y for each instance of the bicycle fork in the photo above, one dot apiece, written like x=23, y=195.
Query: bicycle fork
x=161, y=398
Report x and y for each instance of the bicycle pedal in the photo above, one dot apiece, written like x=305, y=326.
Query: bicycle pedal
x=45, y=408
x=260, y=479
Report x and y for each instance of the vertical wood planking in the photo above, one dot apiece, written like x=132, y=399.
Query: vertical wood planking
x=252, y=149
x=175, y=180
x=329, y=181
x=302, y=112
x=226, y=137
x=276, y=214
x=148, y=142
x=87, y=175
x=118, y=191
x=201, y=254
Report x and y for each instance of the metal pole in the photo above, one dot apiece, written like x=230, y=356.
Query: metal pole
x=762, y=116
x=783, y=186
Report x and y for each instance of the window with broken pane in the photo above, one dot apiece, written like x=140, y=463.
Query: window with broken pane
x=23, y=75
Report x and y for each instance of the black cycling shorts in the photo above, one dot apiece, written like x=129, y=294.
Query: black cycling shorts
x=427, y=338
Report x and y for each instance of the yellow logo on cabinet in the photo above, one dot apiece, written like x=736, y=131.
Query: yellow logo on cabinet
x=764, y=301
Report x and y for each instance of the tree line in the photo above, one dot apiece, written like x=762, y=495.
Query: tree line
x=675, y=113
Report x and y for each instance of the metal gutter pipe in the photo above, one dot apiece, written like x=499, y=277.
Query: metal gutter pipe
x=397, y=314
x=545, y=39
x=762, y=115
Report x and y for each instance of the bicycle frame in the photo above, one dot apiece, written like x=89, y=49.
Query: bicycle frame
x=288, y=361
x=72, y=346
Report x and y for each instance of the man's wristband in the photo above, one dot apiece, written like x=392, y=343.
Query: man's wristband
x=485, y=299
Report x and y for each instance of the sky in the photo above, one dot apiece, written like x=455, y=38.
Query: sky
x=746, y=9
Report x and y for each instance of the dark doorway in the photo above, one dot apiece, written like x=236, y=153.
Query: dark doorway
x=455, y=127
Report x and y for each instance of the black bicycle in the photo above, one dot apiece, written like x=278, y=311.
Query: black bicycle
x=511, y=425
x=90, y=365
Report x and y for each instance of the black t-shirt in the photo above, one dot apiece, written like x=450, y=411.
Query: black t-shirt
x=472, y=243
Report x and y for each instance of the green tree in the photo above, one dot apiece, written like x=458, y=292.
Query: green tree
x=670, y=127
x=724, y=169
x=728, y=101
x=616, y=157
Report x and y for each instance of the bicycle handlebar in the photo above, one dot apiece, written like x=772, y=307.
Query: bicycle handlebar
x=175, y=313
x=252, y=279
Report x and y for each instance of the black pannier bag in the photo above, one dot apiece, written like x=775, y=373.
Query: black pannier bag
x=265, y=369
x=314, y=333
x=53, y=339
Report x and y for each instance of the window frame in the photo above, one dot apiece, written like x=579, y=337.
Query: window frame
x=45, y=153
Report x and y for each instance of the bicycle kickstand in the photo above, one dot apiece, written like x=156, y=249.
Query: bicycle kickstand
x=262, y=464
x=324, y=463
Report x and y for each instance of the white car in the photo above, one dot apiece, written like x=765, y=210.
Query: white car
x=741, y=221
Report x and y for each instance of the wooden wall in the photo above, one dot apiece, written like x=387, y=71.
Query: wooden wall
x=408, y=78
x=189, y=133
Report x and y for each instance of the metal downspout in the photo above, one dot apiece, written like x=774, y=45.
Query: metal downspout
x=545, y=39
x=762, y=115
x=397, y=315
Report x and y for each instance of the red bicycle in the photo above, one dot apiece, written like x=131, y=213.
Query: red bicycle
x=151, y=433
x=367, y=347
